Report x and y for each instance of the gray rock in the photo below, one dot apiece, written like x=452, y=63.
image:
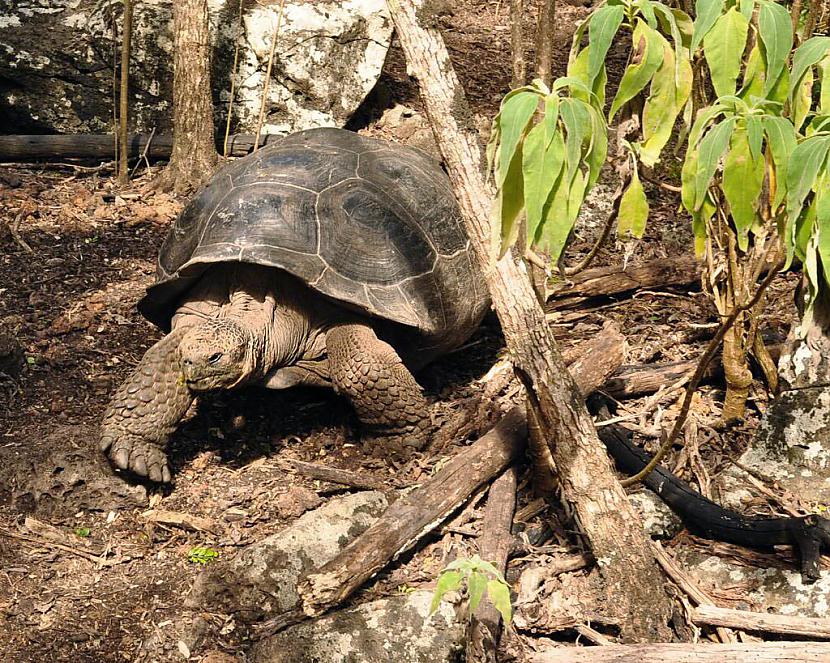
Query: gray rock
x=659, y=521
x=329, y=56
x=391, y=630
x=777, y=590
x=261, y=581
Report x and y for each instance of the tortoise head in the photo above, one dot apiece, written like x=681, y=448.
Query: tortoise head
x=215, y=354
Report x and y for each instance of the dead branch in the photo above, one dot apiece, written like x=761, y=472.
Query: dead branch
x=494, y=545
x=123, y=97
x=752, y=652
x=810, y=627
x=616, y=280
x=414, y=515
x=337, y=475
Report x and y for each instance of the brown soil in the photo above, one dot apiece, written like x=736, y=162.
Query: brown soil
x=70, y=304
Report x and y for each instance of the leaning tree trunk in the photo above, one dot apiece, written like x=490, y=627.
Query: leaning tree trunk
x=194, y=155
x=634, y=583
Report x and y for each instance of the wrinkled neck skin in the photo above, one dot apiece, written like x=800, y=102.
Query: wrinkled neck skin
x=280, y=321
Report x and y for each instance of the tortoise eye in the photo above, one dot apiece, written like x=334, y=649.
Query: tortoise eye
x=214, y=358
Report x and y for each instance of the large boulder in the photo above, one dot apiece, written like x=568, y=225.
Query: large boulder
x=56, y=63
x=398, y=628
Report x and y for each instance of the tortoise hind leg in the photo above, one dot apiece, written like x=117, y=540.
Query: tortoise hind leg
x=387, y=399
x=145, y=410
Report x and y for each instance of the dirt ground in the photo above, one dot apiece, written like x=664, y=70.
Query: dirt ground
x=83, y=576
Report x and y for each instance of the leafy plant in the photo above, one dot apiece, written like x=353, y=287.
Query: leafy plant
x=480, y=577
x=201, y=555
x=83, y=532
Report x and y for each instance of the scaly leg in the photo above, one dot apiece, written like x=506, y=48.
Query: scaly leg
x=386, y=397
x=145, y=410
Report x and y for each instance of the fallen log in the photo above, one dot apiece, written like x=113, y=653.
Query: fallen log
x=640, y=379
x=751, y=652
x=413, y=516
x=810, y=627
x=57, y=147
x=494, y=545
x=617, y=280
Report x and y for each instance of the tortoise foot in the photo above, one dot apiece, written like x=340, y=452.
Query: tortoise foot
x=140, y=457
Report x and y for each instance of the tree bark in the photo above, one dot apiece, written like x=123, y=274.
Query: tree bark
x=124, y=96
x=598, y=501
x=517, y=44
x=545, y=31
x=194, y=155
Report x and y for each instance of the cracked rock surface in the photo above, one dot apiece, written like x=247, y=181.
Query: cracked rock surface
x=329, y=56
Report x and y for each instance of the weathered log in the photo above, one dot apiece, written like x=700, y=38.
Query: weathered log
x=51, y=147
x=588, y=484
x=641, y=379
x=811, y=627
x=414, y=515
x=751, y=652
x=494, y=546
x=616, y=280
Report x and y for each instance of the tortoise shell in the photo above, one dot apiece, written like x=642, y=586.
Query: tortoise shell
x=370, y=224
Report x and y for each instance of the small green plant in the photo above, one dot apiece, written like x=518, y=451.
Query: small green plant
x=83, y=532
x=201, y=555
x=480, y=577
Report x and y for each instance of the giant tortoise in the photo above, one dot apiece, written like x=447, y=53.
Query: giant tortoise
x=326, y=259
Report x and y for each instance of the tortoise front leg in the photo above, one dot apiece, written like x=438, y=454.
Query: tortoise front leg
x=145, y=410
x=387, y=399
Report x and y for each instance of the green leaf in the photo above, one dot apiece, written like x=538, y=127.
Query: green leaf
x=824, y=76
x=551, y=117
x=802, y=99
x=747, y=7
x=602, y=26
x=709, y=153
x=755, y=134
x=448, y=581
x=798, y=237
x=646, y=58
x=578, y=71
x=805, y=56
x=476, y=585
x=510, y=203
x=633, y=211
x=599, y=146
x=700, y=224
x=552, y=233
x=743, y=178
x=202, y=555
x=666, y=99
x=707, y=13
x=83, y=532
x=516, y=111
x=499, y=594
x=805, y=162
x=782, y=141
x=755, y=75
x=776, y=32
x=540, y=168
x=822, y=205
x=723, y=48
x=578, y=126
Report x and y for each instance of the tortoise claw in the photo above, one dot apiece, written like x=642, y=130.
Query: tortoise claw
x=142, y=458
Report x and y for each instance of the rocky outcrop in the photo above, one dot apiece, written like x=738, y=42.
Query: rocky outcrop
x=398, y=629
x=261, y=581
x=56, y=63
